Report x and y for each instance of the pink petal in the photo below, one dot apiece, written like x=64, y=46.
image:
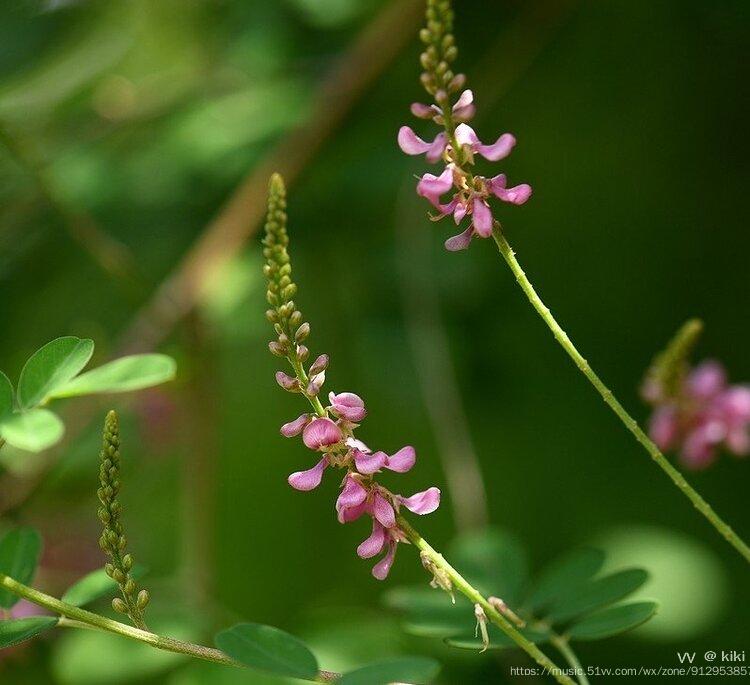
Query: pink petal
x=460, y=241
x=464, y=109
x=308, y=480
x=289, y=430
x=432, y=187
x=735, y=404
x=664, y=426
x=465, y=135
x=412, y=144
x=352, y=495
x=369, y=463
x=500, y=149
x=375, y=543
x=460, y=212
x=353, y=513
x=383, y=511
x=357, y=445
x=321, y=432
x=516, y=195
x=482, y=217
x=348, y=406
x=419, y=109
x=383, y=567
x=422, y=502
x=706, y=380
x=738, y=440
x=403, y=460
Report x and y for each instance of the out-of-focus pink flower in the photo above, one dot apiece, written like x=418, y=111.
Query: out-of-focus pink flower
x=321, y=433
x=700, y=416
x=348, y=406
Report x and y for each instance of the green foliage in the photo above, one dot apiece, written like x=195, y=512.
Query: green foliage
x=33, y=430
x=53, y=372
x=51, y=367
x=6, y=396
x=19, y=630
x=95, y=585
x=567, y=599
x=408, y=669
x=122, y=375
x=19, y=555
x=268, y=649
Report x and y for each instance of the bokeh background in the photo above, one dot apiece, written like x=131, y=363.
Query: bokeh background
x=127, y=127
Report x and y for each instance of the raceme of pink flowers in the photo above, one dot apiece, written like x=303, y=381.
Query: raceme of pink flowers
x=703, y=416
x=470, y=193
x=360, y=494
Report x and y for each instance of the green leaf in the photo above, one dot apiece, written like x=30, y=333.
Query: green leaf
x=498, y=639
x=564, y=575
x=493, y=561
x=51, y=367
x=408, y=669
x=19, y=555
x=122, y=375
x=6, y=396
x=268, y=649
x=430, y=613
x=33, y=430
x=19, y=630
x=613, y=621
x=596, y=594
x=95, y=585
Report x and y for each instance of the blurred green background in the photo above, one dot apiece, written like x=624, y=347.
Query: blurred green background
x=125, y=127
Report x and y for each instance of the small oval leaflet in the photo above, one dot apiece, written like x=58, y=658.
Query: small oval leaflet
x=268, y=649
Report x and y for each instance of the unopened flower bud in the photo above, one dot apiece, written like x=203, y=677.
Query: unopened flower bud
x=119, y=606
x=302, y=332
x=127, y=562
x=129, y=586
x=143, y=599
x=277, y=349
x=287, y=382
x=320, y=364
x=315, y=384
x=302, y=353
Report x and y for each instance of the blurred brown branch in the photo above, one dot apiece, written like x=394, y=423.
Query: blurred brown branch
x=238, y=220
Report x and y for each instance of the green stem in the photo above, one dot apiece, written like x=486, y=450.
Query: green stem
x=475, y=597
x=78, y=618
x=630, y=423
x=563, y=646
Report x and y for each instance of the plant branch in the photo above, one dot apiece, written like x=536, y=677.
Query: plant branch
x=475, y=597
x=630, y=423
x=75, y=617
x=563, y=646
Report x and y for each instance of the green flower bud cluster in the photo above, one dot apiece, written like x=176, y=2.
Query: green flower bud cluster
x=287, y=321
x=670, y=366
x=113, y=541
x=440, y=51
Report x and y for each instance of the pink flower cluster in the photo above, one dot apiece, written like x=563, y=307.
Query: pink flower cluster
x=471, y=192
x=360, y=494
x=705, y=413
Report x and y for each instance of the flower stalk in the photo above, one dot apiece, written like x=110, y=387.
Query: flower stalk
x=723, y=528
x=75, y=617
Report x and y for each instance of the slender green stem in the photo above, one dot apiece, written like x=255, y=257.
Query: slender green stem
x=630, y=423
x=475, y=597
x=76, y=617
x=563, y=646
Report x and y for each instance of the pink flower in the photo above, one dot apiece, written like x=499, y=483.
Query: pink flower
x=372, y=462
x=702, y=415
x=432, y=187
x=516, y=195
x=352, y=496
x=289, y=430
x=321, y=433
x=308, y=480
x=380, y=539
x=412, y=144
x=463, y=110
x=348, y=406
x=501, y=148
x=422, y=502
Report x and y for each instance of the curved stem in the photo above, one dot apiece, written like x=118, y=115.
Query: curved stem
x=630, y=423
x=563, y=646
x=475, y=597
x=78, y=618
